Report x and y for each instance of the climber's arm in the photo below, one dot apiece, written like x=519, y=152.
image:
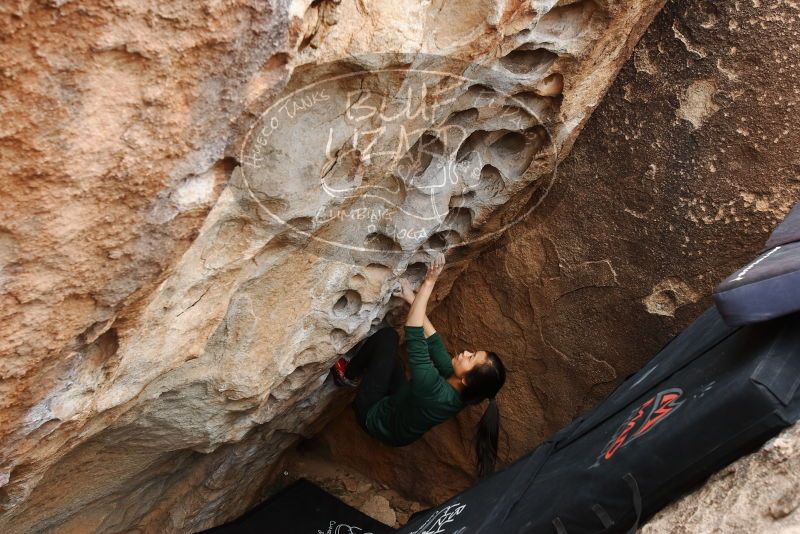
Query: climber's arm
x=417, y=313
x=406, y=292
x=439, y=355
x=436, y=349
x=428, y=327
x=424, y=376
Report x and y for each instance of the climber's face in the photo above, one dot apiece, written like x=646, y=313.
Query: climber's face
x=466, y=361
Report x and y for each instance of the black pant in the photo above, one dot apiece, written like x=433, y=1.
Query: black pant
x=381, y=369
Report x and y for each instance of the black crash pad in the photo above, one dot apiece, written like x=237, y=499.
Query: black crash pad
x=303, y=508
x=768, y=286
x=713, y=394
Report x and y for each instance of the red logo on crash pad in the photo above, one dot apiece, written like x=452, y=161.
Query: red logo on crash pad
x=642, y=420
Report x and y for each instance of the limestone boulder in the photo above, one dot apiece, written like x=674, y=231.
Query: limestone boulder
x=182, y=258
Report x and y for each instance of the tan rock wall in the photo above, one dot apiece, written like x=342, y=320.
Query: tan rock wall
x=677, y=179
x=116, y=119
x=164, y=337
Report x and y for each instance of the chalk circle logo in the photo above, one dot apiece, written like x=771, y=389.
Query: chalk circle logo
x=335, y=527
x=438, y=520
x=642, y=420
x=389, y=154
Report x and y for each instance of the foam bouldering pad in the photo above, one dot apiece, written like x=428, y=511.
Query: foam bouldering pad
x=713, y=394
x=303, y=508
x=769, y=286
x=786, y=232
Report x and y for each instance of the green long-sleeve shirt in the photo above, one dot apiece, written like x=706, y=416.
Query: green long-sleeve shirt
x=424, y=401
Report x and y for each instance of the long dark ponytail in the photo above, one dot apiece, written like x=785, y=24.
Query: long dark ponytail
x=483, y=383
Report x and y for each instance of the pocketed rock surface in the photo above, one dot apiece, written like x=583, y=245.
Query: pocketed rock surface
x=168, y=316
x=677, y=180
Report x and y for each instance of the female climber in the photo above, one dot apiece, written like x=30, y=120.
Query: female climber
x=398, y=411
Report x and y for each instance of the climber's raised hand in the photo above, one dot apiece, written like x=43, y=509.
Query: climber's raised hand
x=406, y=290
x=435, y=268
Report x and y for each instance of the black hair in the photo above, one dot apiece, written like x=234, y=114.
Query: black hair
x=483, y=383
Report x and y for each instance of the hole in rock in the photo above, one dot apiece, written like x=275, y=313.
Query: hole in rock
x=509, y=145
x=514, y=151
x=436, y=242
x=537, y=139
x=528, y=61
x=348, y=304
x=376, y=241
x=459, y=220
x=419, y=157
x=541, y=107
x=517, y=115
x=416, y=271
x=491, y=181
x=667, y=299
x=482, y=94
x=466, y=117
x=377, y=271
x=462, y=201
x=227, y=164
x=441, y=240
x=293, y=383
x=470, y=145
x=553, y=85
x=338, y=340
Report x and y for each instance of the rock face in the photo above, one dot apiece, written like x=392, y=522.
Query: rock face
x=180, y=259
x=676, y=181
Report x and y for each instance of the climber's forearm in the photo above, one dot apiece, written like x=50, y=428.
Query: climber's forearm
x=427, y=326
x=416, y=315
x=426, y=323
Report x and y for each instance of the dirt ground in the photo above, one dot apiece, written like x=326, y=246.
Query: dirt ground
x=312, y=460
